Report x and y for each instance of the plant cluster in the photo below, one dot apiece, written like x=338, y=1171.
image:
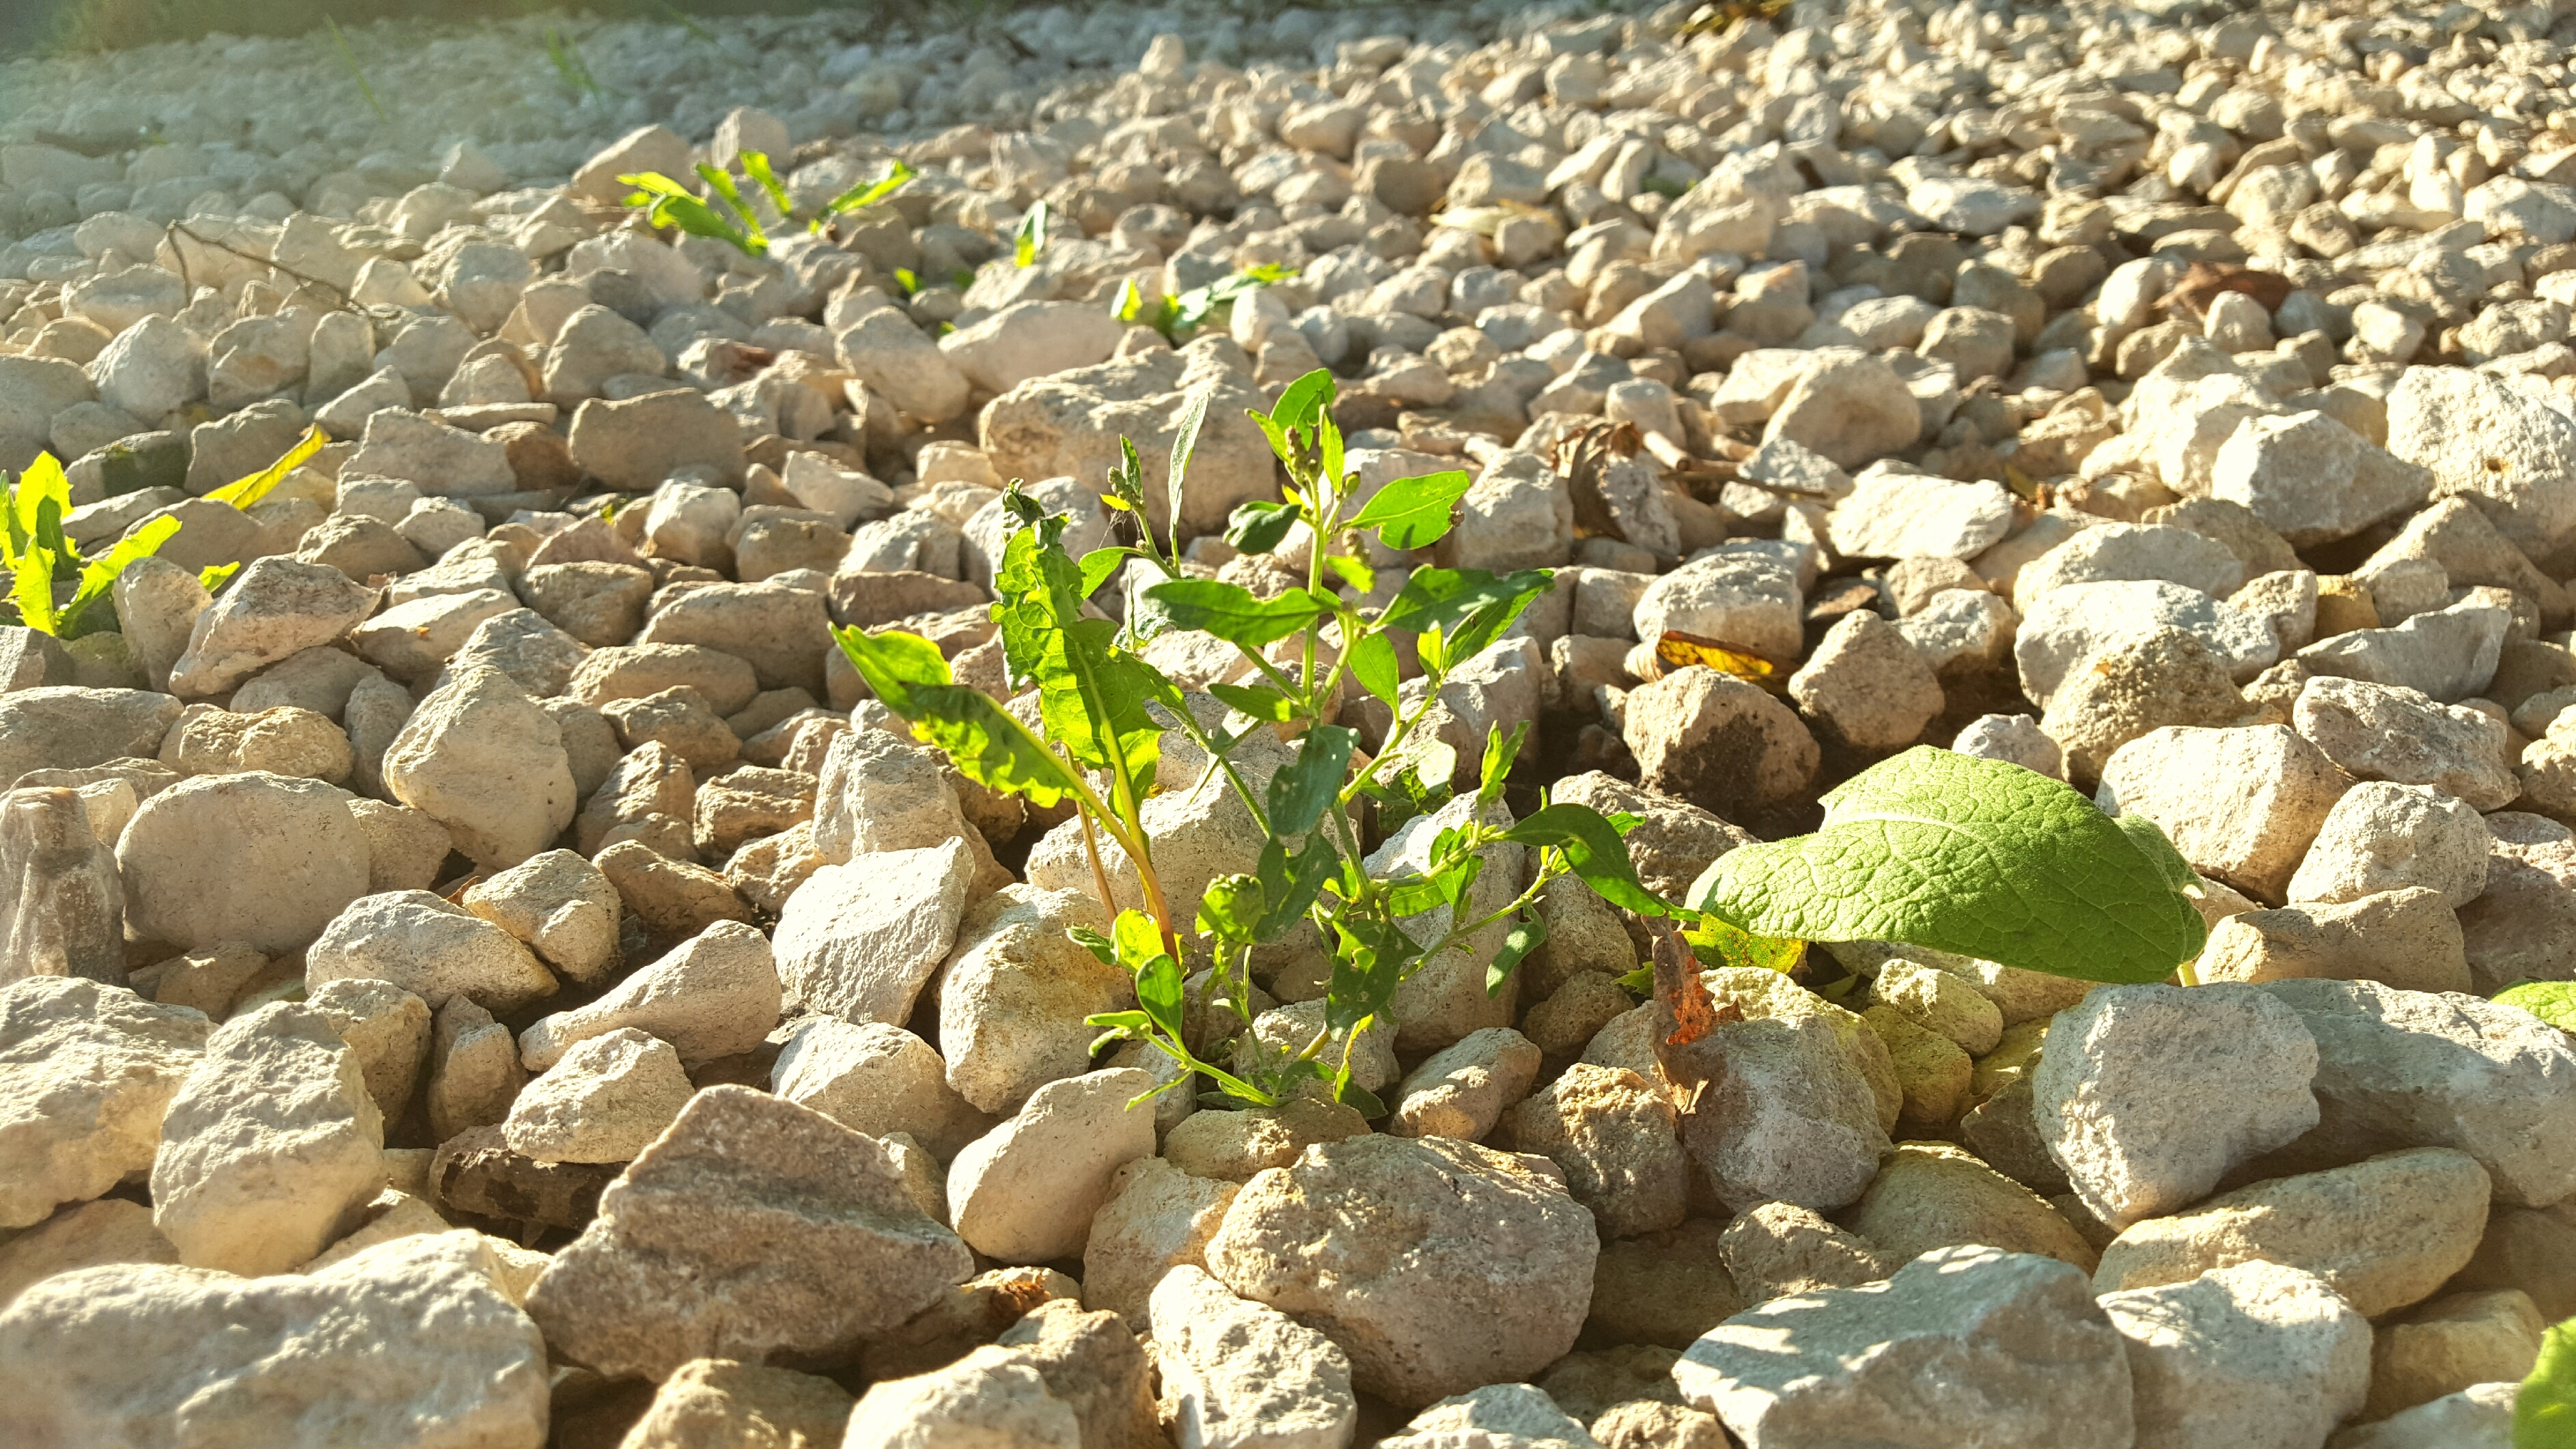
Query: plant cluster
x=1179, y=318
x=725, y=215
x=1929, y=848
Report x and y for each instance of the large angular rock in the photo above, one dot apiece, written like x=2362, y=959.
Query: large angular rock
x=411, y=1344
x=2251, y=1354
x=255, y=857
x=1241, y=1374
x=2313, y=480
x=2409, y=939
x=2384, y=1232
x=715, y=995
x=2414, y=1069
x=1799, y=1095
x=2375, y=732
x=879, y=791
x=561, y=906
x=876, y=1079
x=1070, y=423
x=604, y=1100
x=67, y=727
x=2148, y=1095
x=1963, y=1346
x=1932, y=1195
x=2073, y=621
x=753, y=1226
x=782, y=632
x=65, y=911
x=2385, y=837
x=2498, y=444
x=717, y=1403
x=433, y=950
x=2448, y=654
x=273, y=608
x=991, y=1396
x=1617, y=1141
x=1718, y=742
x=86, y=1072
x=1437, y=1266
x=858, y=941
x=2242, y=805
x=481, y=758
x=1897, y=513
x=1157, y=1219
x=1026, y=1191
x=633, y=446
x=1014, y=994
x=1745, y=598
x=272, y=1146
x=89, y=1235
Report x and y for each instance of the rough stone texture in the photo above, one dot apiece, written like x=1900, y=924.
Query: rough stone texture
x=292, y=856
x=1241, y=1375
x=1780, y=1248
x=2413, y=1069
x=482, y=759
x=2384, y=1232
x=1962, y=1346
x=1932, y=1195
x=86, y=1235
x=2409, y=939
x=561, y=906
x=86, y=1072
x=1026, y=1192
x=1616, y=1140
x=720, y=1403
x=753, y=1226
x=2150, y=1094
x=1014, y=994
x=160, y=1357
x=1462, y=1089
x=876, y=1079
x=2251, y=1354
x=602, y=1101
x=1092, y=1362
x=860, y=940
x=2241, y=805
x=1156, y=1220
x=1437, y=1266
x=715, y=995
x=1799, y=1098
x=431, y=949
x=2384, y=837
x=1718, y=742
x=2449, y=1344
x=2375, y=732
x=271, y=1146
x=989, y=1397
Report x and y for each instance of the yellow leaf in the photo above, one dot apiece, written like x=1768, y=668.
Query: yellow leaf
x=1677, y=650
x=244, y=492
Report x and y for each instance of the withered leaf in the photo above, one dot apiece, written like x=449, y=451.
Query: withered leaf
x=1677, y=650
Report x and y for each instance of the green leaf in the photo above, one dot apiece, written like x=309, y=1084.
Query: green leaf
x=755, y=164
x=1100, y=946
x=41, y=481
x=908, y=279
x=1373, y=664
x=1351, y=571
x=1593, y=851
x=2544, y=1415
x=1091, y=694
x=866, y=193
x=1328, y=436
x=1260, y=527
x=31, y=588
x=1098, y=565
x=1031, y=237
x=1232, y=907
x=668, y=203
x=1528, y=930
x=1138, y=939
x=99, y=575
x=1158, y=990
x=1972, y=856
x=986, y=742
x=1290, y=884
x=1229, y=611
x=1257, y=700
x=2552, y=1001
x=1304, y=400
x=1412, y=513
x=1185, y=439
x=215, y=576
x=1120, y=1026
x=1369, y=962
x=1128, y=303
x=243, y=492
x=1439, y=598
x=1300, y=791
x=1499, y=754
x=1716, y=943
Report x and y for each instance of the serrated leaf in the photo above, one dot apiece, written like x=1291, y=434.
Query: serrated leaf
x=1229, y=611
x=1412, y=513
x=1302, y=789
x=1593, y=851
x=2552, y=1001
x=31, y=588
x=1529, y=930
x=1978, y=857
x=2544, y=1413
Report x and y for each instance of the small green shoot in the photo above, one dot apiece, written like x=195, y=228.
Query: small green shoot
x=908, y=280
x=867, y=193
x=34, y=548
x=669, y=204
x=349, y=58
x=1031, y=237
x=1178, y=318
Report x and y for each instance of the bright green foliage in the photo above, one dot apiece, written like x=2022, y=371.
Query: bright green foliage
x=242, y=493
x=2552, y=1001
x=1178, y=318
x=724, y=215
x=1103, y=710
x=1974, y=856
x=1031, y=237
x=2544, y=1414
x=34, y=549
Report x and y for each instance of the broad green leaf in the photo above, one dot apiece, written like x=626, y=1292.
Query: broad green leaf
x=1304, y=400
x=1369, y=960
x=1290, y=884
x=2544, y=1414
x=1138, y=939
x=1031, y=237
x=1119, y=1026
x=1351, y=571
x=1257, y=700
x=1099, y=564
x=1373, y=664
x=1300, y=791
x=1229, y=611
x=1091, y=694
x=99, y=574
x=1716, y=943
x=1437, y=598
x=1593, y=851
x=986, y=742
x=1412, y=513
x=755, y=164
x=1528, y=930
x=31, y=588
x=1973, y=856
x=243, y=492
x=40, y=481
x=214, y=576
x=1485, y=623
x=1500, y=751
x=1158, y=990
x=2552, y=1001
x=1260, y=527
x=1128, y=303
x=1232, y=907
x=1185, y=439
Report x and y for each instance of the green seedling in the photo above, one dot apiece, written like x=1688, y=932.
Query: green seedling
x=33, y=547
x=1031, y=237
x=1104, y=711
x=349, y=58
x=723, y=213
x=2544, y=1413
x=1179, y=318
x=1972, y=856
